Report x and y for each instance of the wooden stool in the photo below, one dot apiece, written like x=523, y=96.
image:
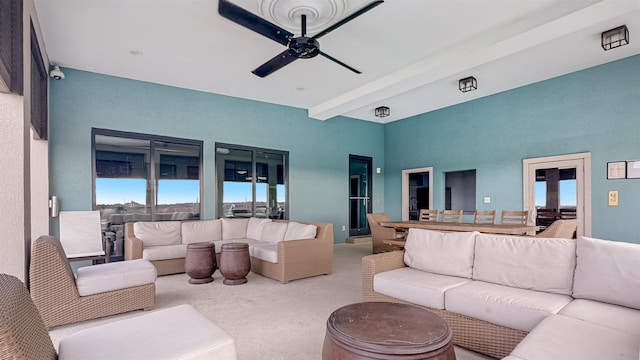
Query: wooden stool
x=200, y=262
x=235, y=263
x=379, y=330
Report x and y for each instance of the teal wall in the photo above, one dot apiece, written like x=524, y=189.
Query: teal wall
x=596, y=110
x=318, y=150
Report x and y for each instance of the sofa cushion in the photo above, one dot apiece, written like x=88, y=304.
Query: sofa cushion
x=179, y=332
x=154, y=233
x=503, y=305
x=612, y=316
x=298, y=231
x=201, y=231
x=255, y=227
x=416, y=286
x=274, y=232
x=98, y=279
x=234, y=228
x=266, y=252
x=561, y=337
x=164, y=252
x=607, y=271
x=529, y=263
x=440, y=253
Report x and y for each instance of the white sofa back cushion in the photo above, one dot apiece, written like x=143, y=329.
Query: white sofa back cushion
x=274, y=232
x=298, y=231
x=201, y=231
x=608, y=271
x=528, y=263
x=234, y=228
x=440, y=253
x=153, y=233
x=255, y=227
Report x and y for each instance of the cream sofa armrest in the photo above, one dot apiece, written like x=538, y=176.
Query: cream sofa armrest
x=377, y=263
x=132, y=245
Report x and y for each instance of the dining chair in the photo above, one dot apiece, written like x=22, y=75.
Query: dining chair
x=484, y=217
x=514, y=217
x=81, y=235
x=560, y=229
x=451, y=216
x=428, y=215
x=380, y=233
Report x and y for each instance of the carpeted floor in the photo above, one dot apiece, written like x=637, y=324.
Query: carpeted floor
x=268, y=320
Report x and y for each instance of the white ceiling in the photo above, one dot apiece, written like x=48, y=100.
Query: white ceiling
x=411, y=52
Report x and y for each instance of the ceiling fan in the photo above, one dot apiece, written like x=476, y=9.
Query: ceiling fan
x=300, y=47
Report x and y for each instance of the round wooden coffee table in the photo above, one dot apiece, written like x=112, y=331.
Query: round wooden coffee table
x=200, y=262
x=379, y=330
x=235, y=263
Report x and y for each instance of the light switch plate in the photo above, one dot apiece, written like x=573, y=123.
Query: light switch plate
x=613, y=198
x=487, y=200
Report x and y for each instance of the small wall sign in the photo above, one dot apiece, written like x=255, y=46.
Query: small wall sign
x=617, y=170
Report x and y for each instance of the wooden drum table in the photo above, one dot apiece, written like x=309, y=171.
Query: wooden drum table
x=379, y=330
x=200, y=262
x=235, y=263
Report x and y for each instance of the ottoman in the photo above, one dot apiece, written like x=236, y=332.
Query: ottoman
x=180, y=332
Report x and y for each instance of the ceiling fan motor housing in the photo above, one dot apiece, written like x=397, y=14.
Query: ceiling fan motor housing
x=304, y=47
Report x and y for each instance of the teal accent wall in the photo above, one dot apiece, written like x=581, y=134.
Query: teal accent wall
x=595, y=110
x=318, y=150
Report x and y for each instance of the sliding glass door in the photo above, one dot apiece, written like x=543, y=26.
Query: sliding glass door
x=251, y=182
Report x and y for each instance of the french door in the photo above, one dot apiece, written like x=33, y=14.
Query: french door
x=558, y=187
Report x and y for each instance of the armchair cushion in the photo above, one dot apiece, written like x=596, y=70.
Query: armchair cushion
x=266, y=252
x=607, y=271
x=441, y=253
x=158, y=232
x=114, y=276
x=234, y=228
x=297, y=231
x=201, y=231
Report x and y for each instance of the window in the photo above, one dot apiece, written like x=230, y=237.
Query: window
x=251, y=182
x=11, y=70
x=145, y=177
x=39, y=95
x=460, y=190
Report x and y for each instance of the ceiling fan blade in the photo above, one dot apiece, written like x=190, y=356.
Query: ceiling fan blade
x=348, y=18
x=340, y=62
x=253, y=22
x=276, y=63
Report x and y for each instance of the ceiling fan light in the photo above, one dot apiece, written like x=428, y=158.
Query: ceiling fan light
x=468, y=84
x=614, y=38
x=382, y=111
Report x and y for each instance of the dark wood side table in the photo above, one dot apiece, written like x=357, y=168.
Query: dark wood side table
x=200, y=262
x=379, y=330
x=235, y=263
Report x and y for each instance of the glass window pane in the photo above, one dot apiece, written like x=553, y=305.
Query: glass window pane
x=177, y=180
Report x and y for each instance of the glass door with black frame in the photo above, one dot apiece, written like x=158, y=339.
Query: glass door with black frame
x=360, y=188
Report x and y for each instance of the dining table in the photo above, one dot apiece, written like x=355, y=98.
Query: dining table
x=507, y=229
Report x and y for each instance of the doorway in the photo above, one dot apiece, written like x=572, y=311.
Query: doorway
x=417, y=191
x=360, y=188
x=558, y=187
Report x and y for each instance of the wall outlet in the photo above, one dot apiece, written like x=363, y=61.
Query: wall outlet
x=344, y=228
x=487, y=200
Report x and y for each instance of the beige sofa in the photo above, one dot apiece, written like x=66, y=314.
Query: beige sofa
x=281, y=250
x=521, y=297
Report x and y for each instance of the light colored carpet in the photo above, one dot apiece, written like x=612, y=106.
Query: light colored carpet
x=267, y=319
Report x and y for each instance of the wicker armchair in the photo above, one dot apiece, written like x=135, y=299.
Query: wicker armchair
x=380, y=233
x=560, y=229
x=55, y=293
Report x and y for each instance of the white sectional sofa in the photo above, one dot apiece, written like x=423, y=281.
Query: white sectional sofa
x=282, y=250
x=521, y=298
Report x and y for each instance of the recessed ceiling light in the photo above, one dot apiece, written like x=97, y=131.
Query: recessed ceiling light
x=300, y=88
x=135, y=52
